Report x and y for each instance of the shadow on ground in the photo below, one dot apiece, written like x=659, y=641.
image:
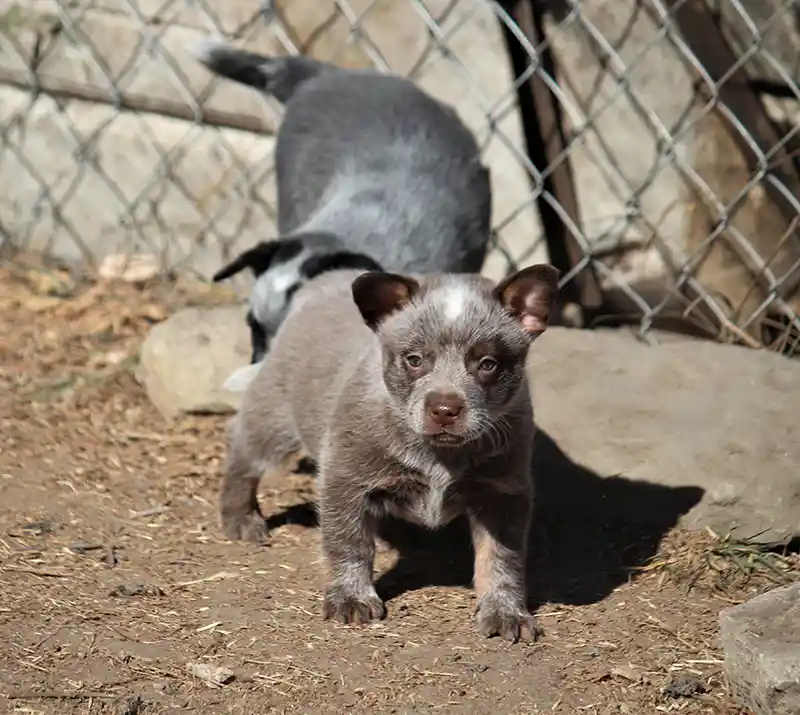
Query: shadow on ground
x=589, y=534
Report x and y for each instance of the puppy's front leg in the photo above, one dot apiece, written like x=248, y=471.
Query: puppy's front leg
x=348, y=543
x=500, y=535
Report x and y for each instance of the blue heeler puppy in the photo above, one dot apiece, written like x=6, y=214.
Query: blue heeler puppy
x=371, y=172
x=417, y=405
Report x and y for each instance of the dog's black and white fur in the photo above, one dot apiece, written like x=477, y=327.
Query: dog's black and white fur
x=280, y=268
x=371, y=171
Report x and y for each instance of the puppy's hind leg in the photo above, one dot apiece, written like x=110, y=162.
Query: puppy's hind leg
x=261, y=441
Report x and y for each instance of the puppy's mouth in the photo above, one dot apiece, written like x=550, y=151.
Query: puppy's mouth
x=446, y=439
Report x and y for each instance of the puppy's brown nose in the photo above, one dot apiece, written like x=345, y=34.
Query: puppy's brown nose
x=444, y=408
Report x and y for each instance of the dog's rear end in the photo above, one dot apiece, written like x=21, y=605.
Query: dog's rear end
x=388, y=168
x=371, y=158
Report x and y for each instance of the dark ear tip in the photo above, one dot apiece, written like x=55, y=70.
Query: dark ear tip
x=545, y=271
x=365, y=279
x=368, y=275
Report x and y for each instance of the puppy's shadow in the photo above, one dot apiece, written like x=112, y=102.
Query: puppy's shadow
x=301, y=514
x=588, y=534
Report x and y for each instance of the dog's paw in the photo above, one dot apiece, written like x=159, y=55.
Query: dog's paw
x=247, y=526
x=495, y=619
x=346, y=607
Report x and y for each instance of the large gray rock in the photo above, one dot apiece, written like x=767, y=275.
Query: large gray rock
x=761, y=640
x=185, y=360
x=685, y=414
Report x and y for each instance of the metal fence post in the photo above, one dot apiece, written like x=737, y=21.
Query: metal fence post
x=546, y=140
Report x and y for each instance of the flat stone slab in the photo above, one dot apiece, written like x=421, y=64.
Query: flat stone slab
x=761, y=640
x=687, y=413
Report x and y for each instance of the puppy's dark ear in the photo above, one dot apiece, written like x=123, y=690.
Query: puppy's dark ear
x=529, y=295
x=322, y=263
x=379, y=294
x=258, y=259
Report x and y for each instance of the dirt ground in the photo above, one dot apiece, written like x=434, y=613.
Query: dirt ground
x=119, y=594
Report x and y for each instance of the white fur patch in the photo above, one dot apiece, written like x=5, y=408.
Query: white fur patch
x=454, y=302
x=431, y=510
x=240, y=379
x=282, y=281
x=268, y=298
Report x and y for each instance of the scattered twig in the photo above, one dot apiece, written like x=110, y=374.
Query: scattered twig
x=149, y=512
x=56, y=695
x=155, y=437
x=83, y=548
x=288, y=664
x=275, y=679
x=44, y=639
x=35, y=572
x=664, y=627
x=221, y=575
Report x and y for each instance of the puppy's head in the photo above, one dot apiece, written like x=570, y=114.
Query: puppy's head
x=281, y=267
x=454, y=350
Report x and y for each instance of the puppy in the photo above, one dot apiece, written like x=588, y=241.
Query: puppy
x=410, y=395
x=366, y=163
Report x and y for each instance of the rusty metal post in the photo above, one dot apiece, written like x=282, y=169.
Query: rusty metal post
x=545, y=140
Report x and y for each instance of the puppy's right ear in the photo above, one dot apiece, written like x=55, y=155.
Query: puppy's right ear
x=258, y=259
x=529, y=295
x=378, y=294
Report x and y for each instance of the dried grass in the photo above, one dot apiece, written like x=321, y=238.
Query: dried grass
x=724, y=564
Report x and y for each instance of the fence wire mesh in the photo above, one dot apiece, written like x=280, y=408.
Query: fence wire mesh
x=680, y=119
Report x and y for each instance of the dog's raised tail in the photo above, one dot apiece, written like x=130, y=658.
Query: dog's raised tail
x=278, y=76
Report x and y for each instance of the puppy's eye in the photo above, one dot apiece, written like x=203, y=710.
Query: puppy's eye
x=413, y=360
x=487, y=365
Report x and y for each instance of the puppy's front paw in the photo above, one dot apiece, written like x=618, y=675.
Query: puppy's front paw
x=247, y=526
x=511, y=624
x=347, y=607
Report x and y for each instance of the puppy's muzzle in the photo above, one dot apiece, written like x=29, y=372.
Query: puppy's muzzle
x=443, y=409
x=444, y=413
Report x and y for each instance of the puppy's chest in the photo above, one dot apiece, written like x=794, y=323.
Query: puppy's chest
x=428, y=498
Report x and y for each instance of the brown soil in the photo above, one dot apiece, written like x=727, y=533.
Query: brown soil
x=115, y=577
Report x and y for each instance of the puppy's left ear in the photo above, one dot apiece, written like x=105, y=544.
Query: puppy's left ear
x=378, y=295
x=529, y=295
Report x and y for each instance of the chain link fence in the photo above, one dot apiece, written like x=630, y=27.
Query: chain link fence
x=650, y=148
